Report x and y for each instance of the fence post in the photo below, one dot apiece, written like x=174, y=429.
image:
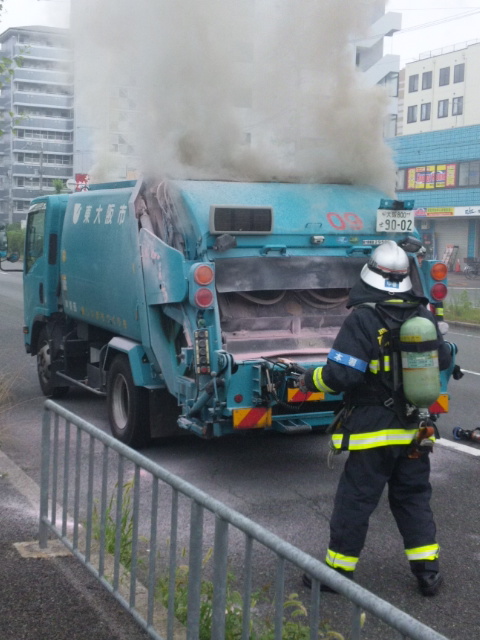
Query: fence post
x=44, y=480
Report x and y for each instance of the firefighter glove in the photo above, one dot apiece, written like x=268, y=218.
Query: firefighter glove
x=301, y=384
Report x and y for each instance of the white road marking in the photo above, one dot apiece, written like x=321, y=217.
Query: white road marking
x=458, y=446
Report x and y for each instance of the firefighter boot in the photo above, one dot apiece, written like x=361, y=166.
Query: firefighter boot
x=428, y=576
x=307, y=581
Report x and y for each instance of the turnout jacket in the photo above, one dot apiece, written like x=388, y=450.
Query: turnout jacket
x=370, y=418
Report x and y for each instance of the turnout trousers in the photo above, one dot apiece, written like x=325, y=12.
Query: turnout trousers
x=365, y=475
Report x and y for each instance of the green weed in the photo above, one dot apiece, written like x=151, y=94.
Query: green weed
x=126, y=525
x=461, y=309
x=295, y=623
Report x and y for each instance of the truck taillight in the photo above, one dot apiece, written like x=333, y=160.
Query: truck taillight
x=439, y=271
x=203, y=275
x=439, y=291
x=203, y=298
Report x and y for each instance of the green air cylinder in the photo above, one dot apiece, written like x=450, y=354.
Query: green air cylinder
x=420, y=372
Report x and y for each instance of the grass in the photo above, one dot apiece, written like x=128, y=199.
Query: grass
x=110, y=530
x=295, y=623
x=461, y=309
x=5, y=394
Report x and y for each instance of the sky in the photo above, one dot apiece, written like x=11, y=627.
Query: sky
x=427, y=25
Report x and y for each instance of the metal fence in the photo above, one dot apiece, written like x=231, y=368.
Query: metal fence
x=165, y=549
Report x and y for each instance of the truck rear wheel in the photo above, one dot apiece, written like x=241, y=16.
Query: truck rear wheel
x=128, y=410
x=44, y=368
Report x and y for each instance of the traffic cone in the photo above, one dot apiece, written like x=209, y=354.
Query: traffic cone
x=458, y=268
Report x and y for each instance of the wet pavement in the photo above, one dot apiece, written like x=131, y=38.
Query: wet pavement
x=48, y=596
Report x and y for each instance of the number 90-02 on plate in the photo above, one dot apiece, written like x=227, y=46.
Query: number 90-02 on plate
x=400, y=221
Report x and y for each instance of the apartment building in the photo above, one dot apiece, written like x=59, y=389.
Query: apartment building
x=37, y=106
x=437, y=149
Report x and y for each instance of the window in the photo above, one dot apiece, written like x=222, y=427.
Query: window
x=442, y=108
x=400, y=182
x=413, y=83
x=412, y=114
x=34, y=236
x=444, y=76
x=469, y=174
x=425, y=110
x=427, y=80
x=459, y=72
x=457, y=106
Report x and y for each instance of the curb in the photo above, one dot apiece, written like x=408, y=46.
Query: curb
x=464, y=325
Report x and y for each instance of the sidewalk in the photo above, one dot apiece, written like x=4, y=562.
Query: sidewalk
x=51, y=597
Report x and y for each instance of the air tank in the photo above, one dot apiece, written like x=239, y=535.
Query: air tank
x=421, y=376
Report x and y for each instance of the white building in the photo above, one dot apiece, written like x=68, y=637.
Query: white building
x=433, y=91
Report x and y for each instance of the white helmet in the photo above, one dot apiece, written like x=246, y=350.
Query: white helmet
x=388, y=269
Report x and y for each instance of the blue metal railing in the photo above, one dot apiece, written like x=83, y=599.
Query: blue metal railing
x=83, y=465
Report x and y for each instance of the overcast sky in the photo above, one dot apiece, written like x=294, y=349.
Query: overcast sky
x=426, y=24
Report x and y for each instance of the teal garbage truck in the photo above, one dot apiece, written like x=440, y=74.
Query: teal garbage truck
x=193, y=304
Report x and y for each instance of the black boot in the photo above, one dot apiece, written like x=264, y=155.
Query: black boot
x=428, y=576
x=307, y=581
x=429, y=582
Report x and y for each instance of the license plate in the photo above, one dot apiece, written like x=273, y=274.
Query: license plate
x=400, y=221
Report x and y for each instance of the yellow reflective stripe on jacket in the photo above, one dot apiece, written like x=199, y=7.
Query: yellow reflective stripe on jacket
x=339, y=561
x=318, y=381
x=372, y=439
x=374, y=365
x=429, y=552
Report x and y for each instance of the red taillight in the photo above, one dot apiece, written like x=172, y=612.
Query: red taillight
x=203, y=275
x=439, y=271
x=438, y=291
x=203, y=298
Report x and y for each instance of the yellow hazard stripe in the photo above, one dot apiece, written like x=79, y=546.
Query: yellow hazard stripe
x=252, y=418
x=295, y=395
x=441, y=404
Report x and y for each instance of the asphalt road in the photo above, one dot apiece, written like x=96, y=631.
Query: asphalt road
x=283, y=483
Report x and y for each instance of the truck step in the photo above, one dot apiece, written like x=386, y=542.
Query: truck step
x=291, y=425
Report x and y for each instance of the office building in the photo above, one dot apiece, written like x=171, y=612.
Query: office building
x=37, y=106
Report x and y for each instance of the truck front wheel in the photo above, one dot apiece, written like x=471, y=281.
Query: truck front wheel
x=127, y=405
x=44, y=368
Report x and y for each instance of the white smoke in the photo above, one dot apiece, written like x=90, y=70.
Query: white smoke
x=231, y=89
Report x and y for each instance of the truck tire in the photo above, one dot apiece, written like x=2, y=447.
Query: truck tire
x=44, y=368
x=127, y=405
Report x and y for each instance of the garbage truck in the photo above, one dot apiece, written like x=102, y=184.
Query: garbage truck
x=192, y=305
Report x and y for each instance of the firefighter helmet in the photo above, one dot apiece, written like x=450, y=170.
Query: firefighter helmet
x=388, y=269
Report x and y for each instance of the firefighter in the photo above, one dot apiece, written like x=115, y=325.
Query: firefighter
x=376, y=424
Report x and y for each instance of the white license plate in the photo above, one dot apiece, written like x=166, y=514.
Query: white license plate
x=395, y=221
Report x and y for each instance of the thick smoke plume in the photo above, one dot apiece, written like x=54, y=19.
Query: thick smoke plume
x=231, y=89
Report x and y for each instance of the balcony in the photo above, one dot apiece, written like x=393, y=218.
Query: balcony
x=44, y=75
x=47, y=146
x=43, y=99
x=36, y=122
x=48, y=171
x=43, y=53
